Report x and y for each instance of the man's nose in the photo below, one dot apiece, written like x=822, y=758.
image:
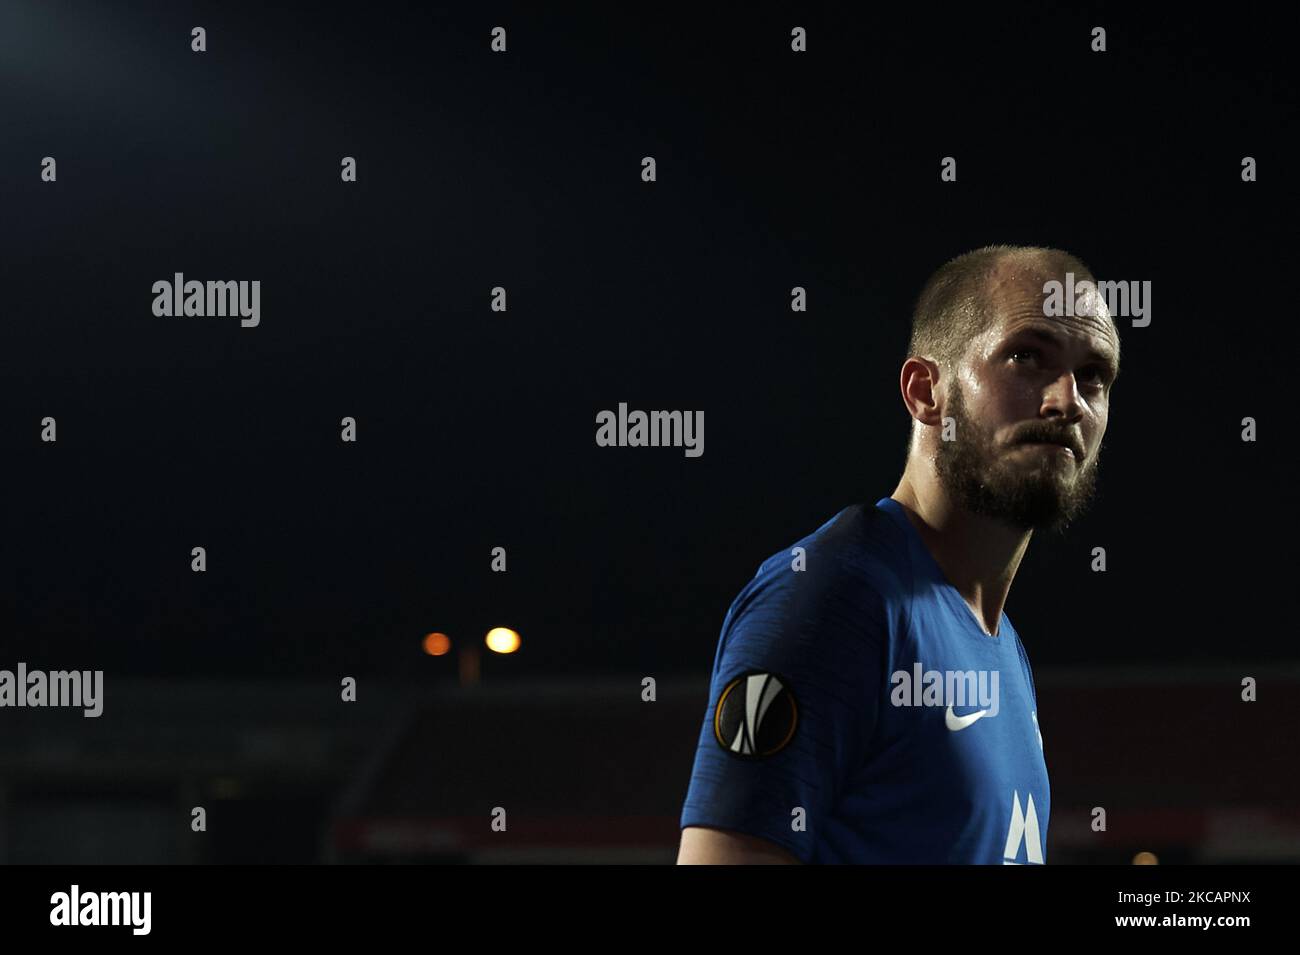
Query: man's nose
x=1061, y=398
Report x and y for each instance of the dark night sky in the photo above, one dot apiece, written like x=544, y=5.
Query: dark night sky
x=477, y=428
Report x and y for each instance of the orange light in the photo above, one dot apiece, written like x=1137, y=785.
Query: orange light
x=1146, y=858
x=436, y=644
x=502, y=640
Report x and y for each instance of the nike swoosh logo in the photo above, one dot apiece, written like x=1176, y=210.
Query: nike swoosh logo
x=955, y=722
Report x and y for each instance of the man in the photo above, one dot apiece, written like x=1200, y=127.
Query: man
x=871, y=701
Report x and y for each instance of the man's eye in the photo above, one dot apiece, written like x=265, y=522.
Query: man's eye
x=1097, y=378
x=1015, y=355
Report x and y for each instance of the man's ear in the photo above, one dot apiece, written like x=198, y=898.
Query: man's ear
x=919, y=383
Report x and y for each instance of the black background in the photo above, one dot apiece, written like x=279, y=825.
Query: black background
x=476, y=428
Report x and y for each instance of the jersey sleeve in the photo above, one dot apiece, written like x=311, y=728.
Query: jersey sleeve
x=797, y=679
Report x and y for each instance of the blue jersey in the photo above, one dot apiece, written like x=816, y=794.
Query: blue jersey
x=859, y=713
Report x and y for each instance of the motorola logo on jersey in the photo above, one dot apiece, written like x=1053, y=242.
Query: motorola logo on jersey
x=756, y=715
x=1023, y=831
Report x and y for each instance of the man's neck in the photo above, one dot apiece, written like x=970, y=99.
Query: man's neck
x=977, y=555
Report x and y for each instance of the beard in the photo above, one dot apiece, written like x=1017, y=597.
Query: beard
x=1045, y=491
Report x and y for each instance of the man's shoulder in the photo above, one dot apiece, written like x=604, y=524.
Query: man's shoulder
x=860, y=544
x=856, y=560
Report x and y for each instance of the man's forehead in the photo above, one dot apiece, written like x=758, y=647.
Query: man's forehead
x=1018, y=298
x=1098, y=338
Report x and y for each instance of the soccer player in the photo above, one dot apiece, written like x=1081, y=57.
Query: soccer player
x=871, y=701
